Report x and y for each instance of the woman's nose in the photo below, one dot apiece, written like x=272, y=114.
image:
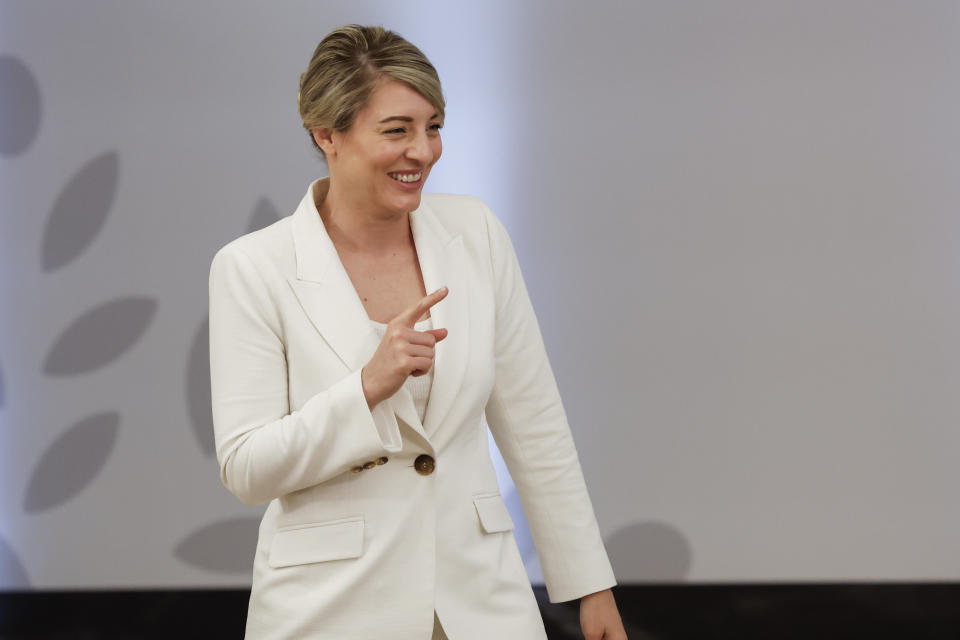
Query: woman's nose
x=420, y=150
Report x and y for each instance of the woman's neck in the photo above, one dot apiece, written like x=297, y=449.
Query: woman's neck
x=354, y=228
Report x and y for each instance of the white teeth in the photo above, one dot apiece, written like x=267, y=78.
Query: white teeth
x=404, y=177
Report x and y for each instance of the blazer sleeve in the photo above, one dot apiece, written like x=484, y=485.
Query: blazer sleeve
x=264, y=449
x=529, y=425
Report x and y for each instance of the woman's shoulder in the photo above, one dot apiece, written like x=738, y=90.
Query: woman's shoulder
x=459, y=214
x=468, y=216
x=269, y=246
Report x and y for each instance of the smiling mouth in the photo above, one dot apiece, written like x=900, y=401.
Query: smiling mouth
x=406, y=177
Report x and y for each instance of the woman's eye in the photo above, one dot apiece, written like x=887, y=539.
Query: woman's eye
x=399, y=130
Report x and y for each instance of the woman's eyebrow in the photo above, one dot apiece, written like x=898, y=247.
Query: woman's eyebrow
x=405, y=118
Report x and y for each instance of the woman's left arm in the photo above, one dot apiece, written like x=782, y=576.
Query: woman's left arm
x=599, y=618
x=528, y=422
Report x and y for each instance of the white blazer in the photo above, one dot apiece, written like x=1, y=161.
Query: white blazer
x=376, y=519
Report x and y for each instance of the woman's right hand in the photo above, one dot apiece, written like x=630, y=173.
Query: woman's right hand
x=402, y=352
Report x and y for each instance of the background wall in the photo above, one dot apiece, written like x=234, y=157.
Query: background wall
x=738, y=222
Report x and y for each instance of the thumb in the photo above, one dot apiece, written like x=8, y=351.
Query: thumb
x=439, y=334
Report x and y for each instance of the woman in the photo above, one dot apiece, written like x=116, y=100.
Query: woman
x=352, y=400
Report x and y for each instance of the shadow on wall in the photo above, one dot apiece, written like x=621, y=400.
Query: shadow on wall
x=650, y=551
x=19, y=106
x=19, y=123
x=225, y=547
x=97, y=338
x=11, y=569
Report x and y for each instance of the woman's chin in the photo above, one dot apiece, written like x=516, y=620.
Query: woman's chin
x=406, y=204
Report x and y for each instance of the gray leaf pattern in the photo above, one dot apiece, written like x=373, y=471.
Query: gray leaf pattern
x=100, y=336
x=653, y=550
x=226, y=546
x=80, y=211
x=19, y=106
x=72, y=462
x=264, y=214
x=12, y=573
x=198, y=388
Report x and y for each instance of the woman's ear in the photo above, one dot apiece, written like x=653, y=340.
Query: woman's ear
x=324, y=139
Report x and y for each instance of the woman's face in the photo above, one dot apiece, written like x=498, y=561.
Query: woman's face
x=383, y=160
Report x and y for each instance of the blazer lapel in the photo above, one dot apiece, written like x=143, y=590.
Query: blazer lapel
x=330, y=300
x=441, y=257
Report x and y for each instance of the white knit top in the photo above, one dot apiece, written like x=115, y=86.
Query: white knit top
x=418, y=386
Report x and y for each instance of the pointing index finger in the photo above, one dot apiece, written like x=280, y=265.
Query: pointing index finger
x=409, y=316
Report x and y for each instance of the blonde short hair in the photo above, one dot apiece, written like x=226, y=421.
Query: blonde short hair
x=345, y=68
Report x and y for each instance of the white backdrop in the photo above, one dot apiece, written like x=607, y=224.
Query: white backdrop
x=738, y=222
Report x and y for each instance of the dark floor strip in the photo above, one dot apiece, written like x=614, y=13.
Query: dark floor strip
x=878, y=611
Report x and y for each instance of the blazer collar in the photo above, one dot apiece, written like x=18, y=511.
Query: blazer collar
x=441, y=259
x=314, y=249
x=331, y=302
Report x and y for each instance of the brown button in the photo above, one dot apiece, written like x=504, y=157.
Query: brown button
x=424, y=464
x=369, y=465
x=357, y=469
x=382, y=460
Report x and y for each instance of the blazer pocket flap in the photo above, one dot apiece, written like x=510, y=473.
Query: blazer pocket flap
x=319, y=542
x=493, y=513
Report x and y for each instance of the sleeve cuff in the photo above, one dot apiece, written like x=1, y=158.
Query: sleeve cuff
x=383, y=418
